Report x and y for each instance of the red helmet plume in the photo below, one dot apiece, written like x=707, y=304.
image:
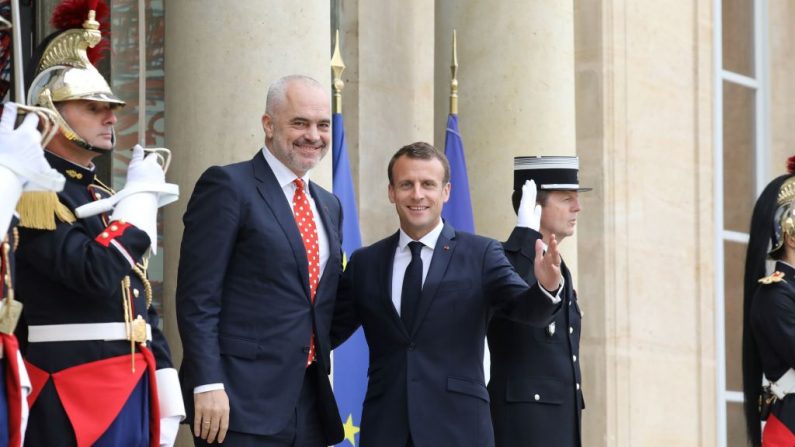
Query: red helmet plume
x=791, y=165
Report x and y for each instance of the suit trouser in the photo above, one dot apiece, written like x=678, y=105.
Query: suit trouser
x=303, y=429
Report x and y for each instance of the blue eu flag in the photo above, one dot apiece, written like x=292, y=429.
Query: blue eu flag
x=458, y=209
x=350, y=359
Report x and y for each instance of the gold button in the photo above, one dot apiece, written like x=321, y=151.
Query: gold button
x=537, y=397
x=574, y=357
x=136, y=293
x=105, y=234
x=578, y=386
x=114, y=228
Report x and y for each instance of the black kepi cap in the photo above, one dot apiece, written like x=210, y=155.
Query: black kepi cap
x=552, y=173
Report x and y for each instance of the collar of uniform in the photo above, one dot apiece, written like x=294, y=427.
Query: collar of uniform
x=429, y=240
x=73, y=172
x=283, y=174
x=787, y=269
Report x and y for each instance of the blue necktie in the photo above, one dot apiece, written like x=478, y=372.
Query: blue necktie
x=412, y=286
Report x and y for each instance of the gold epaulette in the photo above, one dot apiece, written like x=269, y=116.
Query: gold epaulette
x=773, y=278
x=38, y=210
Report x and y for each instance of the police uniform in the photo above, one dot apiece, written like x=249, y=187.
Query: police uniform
x=536, y=397
x=535, y=385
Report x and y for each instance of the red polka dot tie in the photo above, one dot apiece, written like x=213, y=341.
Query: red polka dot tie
x=306, y=226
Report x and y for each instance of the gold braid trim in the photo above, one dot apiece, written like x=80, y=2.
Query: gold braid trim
x=38, y=210
x=147, y=285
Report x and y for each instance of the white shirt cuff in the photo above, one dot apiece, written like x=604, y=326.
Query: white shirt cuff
x=555, y=299
x=208, y=387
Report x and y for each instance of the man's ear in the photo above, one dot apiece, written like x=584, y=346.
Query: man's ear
x=267, y=125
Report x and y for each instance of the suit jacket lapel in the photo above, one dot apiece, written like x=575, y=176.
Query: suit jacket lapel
x=332, y=230
x=442, y=253
x=272, y=193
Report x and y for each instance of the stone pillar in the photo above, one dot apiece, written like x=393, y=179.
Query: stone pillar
x=644, y=133
x=388, y=96
x=516, y=95
x=219, y=63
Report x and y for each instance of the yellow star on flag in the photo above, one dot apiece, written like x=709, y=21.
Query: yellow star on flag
x=350, y=430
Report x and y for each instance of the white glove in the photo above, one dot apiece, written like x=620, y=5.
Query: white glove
x=529, y=213
x=21, y=152
x=172, y=410
x=21, y=163
x=140, y=208
x=143, y=176
x=11, y=187
x=169, y=427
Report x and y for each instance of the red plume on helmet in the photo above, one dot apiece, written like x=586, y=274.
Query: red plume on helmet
x=791, y=165
x=71, y=14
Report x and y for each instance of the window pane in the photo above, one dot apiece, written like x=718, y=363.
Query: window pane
x=735, y=425
x=738, y=156
x=734, y=267
x=123, y=65
x=738, y=36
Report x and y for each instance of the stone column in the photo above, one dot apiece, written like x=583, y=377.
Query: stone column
x=516, y=95
x=388, y=97
x=644, y=133
x=219, y=63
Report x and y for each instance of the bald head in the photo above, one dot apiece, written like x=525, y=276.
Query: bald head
x=277, y=92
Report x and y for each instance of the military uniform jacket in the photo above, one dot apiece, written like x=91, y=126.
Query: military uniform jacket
x=773, y=327
x=74, y=274
x=536, y=399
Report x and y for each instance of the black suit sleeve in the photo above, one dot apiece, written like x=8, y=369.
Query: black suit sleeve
x=510, y=294
x=346, y=320
x=211, y=224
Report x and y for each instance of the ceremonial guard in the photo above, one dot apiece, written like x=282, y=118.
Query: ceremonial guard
x=769, y=317
x=99, y=364
x=22, y=167
x=536, y=398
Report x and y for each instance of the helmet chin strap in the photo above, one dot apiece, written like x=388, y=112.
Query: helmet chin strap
x=83, y=144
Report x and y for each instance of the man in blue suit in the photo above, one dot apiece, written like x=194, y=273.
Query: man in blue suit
x=425, y=296
x=258, y=273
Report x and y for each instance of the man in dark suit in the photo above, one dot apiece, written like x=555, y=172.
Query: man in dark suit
x=536, y=398
x=258, y=273
x=424, y=297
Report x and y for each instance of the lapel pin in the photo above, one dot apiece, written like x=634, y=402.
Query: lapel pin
x=446, y=247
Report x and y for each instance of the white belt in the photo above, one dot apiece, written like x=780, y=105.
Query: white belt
x=81, y=332
x=784, y=385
